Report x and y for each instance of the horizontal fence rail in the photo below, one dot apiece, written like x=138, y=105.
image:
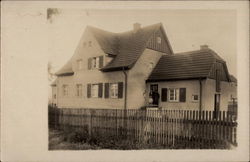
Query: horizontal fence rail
x=190, y=129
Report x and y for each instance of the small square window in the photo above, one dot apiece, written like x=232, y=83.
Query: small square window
x=159, y=40
x=195, y=97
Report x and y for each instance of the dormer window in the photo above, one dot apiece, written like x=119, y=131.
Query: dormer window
x=158, y=40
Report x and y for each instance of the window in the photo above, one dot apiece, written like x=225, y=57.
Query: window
x=65, y=90
x=113, y=90
x=94, y=90
x=79, y=90
x=195, y=97
x=79, y=64
x=90, y=43
x=95, y=62
x=173, y=94
x=159, y=40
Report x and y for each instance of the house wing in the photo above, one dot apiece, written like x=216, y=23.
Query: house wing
x=188, y=65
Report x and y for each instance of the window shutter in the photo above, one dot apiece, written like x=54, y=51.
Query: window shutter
x=100, y=90
x=100, y=61
x=164, y=94
x=182, y=94
x=89, y=90
x=89, y=63
x=106, y=94
x=120, y=89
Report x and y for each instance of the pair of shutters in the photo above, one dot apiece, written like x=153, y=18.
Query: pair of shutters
x=164, y=95
x=100, y=89
x=120, y=90
x=106, y=93
x=100, y=62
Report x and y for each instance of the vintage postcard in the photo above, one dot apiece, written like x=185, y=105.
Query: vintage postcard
x=125, y=81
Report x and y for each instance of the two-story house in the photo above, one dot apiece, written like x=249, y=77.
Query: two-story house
x=138, y=68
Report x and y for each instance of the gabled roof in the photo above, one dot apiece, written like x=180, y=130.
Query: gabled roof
x=188, y=65
x=126, y=47
x=130, y=46
x=107, y=40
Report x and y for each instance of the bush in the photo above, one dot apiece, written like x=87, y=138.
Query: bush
x=77, y=136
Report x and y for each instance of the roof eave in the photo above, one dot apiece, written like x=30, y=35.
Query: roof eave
x=115, y=69
x=65, y=74
x=175, y=79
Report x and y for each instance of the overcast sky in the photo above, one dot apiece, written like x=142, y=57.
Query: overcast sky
x=186, y=30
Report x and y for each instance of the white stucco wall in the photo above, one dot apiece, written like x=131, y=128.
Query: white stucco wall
x=192, y=88
x=137, y=77
x=85, y=76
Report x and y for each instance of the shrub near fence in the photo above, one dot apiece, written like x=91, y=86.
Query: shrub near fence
x=169, y=128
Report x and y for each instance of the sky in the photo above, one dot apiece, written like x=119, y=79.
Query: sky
x=185, y=29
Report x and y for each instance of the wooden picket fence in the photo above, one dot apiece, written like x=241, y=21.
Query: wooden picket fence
x=187, y=128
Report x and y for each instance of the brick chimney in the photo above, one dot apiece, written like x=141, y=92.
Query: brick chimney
x=137, y=26
x=204, y=47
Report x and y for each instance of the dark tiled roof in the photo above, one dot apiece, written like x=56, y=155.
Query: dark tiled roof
x=107, y=40
x=126, y=47
x=65, y=70
x=130, y=46
x=188, y=65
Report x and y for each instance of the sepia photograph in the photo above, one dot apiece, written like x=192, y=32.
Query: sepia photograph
x=118, y=81
x=160, y=79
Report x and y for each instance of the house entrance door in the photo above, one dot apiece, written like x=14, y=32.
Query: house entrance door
x=154, y=94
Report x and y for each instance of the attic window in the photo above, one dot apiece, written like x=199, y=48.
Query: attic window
x=158, y=40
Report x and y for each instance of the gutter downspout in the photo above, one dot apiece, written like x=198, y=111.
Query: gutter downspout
x=125, y=101
x=125, y=93
x=200, y=108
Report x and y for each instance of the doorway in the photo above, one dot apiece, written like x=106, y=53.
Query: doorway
x=154, y=94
